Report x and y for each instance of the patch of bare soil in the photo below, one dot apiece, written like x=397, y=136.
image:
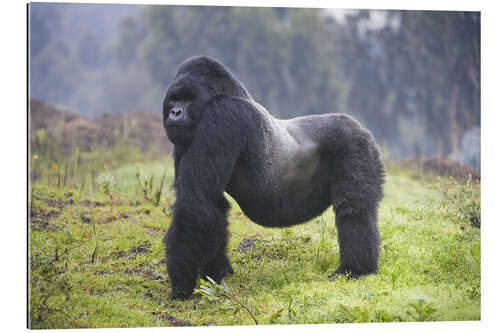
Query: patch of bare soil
x=134, y=250
x=57, y=203
x=87, y=203
x=146, y=272
x=154, y=230
x=247, y=244
x=40, y=220
x=475, y=221
x=143, y=248
x=173, y=321
x=113, y=216
x=210, y=323
x=443, y=167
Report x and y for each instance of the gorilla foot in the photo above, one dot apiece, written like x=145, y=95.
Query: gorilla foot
x=230, y=269
x=348, y=273
x=180, y=294
x=217, y=275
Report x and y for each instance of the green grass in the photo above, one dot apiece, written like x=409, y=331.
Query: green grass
x=96, y=260
x=125, y=176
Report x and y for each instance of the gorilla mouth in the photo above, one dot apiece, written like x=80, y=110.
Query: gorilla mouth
x=180, y=134
x=179, y=125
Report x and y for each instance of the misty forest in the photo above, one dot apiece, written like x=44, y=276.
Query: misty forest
x=101, y=170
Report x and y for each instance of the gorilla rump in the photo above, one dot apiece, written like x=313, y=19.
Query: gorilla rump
x=281, y=173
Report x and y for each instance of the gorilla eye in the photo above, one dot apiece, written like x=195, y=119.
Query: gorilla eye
x=182, y=95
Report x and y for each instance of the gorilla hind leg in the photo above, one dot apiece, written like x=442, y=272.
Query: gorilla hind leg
x=356, y=193
x=217, y=268
x=358, y=239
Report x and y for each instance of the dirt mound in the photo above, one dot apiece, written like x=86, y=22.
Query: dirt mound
x=54, y=126
x=142, y=127
x=443, y=167
x=45, y=116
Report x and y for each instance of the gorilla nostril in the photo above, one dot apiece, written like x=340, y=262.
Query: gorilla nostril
x=176, y=113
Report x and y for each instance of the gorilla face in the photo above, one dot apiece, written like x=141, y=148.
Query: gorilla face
x=181, y=112
x=196, y=82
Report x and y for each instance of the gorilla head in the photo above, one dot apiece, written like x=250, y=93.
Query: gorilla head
x=281, y=173
x=197, y=81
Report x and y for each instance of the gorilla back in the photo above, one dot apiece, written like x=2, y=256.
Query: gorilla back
x=281, y=173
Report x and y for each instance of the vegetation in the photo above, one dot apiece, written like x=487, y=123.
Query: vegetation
x=412, y=76
x=96, y=256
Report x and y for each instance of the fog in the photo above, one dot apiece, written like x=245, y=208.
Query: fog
x=412, y=77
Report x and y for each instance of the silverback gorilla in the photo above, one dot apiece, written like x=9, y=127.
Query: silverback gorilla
x=281, y=173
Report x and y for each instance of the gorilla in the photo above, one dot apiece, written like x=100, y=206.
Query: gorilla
x=282, y=172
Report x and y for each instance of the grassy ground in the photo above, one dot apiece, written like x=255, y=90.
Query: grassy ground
x=96, y=259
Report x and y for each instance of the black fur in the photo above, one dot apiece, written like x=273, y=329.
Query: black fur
x=281, y=172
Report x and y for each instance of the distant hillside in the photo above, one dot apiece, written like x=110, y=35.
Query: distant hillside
x=443, y=166
x=67, y=129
